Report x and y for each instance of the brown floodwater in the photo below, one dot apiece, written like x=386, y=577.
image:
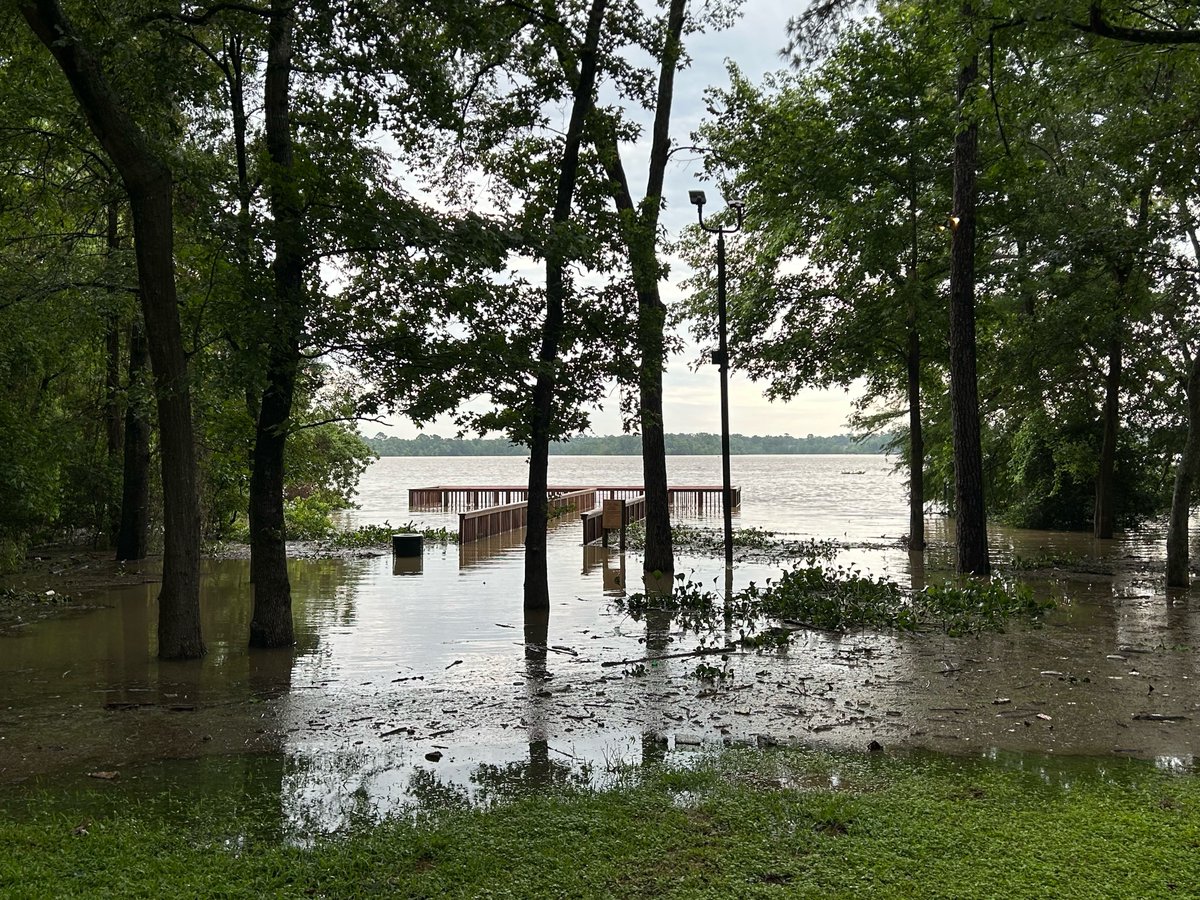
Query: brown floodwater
x=425, y=681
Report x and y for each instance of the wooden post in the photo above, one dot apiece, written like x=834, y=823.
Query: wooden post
x=613, y=518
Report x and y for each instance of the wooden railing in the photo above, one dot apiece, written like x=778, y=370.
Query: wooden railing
x=593, y=522
x=497, y=509
x=453, y=497
x=700, y=499
x=481, y=523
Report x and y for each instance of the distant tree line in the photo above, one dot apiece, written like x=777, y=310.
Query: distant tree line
x=629, y=445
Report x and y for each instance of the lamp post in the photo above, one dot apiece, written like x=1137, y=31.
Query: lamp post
x=721, y=358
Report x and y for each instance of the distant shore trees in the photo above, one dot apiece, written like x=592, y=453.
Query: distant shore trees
x=629, y=445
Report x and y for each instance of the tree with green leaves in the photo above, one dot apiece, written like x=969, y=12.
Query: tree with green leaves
x=148, y=182
x=843, y=170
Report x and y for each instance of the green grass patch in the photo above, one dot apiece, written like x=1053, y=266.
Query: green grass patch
x=738, y=825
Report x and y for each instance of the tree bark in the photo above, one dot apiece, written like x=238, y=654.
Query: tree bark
x=1104, y=516
x=537, y=588
x=916, y=436
x=271, y=624
x=133, y=532
x=916, y=445
x=659, y=554
x=1185, y=478
x=147, y=181
x=112, y=384
x=652, y=312
x=639, y=231
x=970, y=513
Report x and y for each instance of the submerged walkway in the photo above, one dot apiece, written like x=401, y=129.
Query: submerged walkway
x=486, y=510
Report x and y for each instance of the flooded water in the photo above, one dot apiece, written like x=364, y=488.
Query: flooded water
x=426, y=682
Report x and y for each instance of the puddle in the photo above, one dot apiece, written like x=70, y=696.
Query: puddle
x=429, y=687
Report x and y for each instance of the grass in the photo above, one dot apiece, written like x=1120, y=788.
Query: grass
x=741, y=824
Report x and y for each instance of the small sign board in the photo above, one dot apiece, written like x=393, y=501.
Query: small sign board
x=613, y=515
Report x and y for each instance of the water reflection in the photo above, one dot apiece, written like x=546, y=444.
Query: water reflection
x=390, y=672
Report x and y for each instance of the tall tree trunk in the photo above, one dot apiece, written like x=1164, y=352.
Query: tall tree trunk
x=1104, y=512
x=113, y=431
x=639, y=230
x=652, y=315
x=271, y=625
x=133, y=532
x=537, y=588
x=916, y=436
x=970, y=513
x=112, y=381
x=233, y=67
x=652, y=312
x=1185, y=478
x=1104, y=516
x=147, y=180
x=916, y=446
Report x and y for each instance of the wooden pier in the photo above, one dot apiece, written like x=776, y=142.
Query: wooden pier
x=481, y=523
x=633, y=510
x=486, y=510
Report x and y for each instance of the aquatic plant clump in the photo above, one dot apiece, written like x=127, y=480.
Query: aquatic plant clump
x=19, y=597
x=975, y=606
x=751, y=542
x=840, y=600
x=369, y=536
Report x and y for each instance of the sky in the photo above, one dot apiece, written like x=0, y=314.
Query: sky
x=691, y=394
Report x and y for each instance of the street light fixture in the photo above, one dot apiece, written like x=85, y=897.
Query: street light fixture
x=721, y=357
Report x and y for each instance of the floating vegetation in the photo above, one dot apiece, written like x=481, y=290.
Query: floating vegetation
x=1065, y=561
x=711, y=674
x=839, y=600
x=372, y=536
x=19, y=607
x=756, y=543
x=20, y=597
x=833, y=600
x=976, y=606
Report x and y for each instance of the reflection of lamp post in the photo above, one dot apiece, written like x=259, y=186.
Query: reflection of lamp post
x=721, y=358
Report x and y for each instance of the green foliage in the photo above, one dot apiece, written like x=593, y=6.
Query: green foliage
x=974, y=606
x=377, y=536
x=748, y=543
x=709, y=673
x=833, y=600
x=309, y=518
x=839, y=600
x=325, y=460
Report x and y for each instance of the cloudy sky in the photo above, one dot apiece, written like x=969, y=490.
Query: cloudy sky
x=690, y=402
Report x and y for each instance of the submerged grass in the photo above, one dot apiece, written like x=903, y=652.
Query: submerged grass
x=741, y=824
